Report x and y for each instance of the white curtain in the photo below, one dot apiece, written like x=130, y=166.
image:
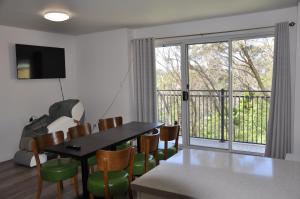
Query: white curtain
x=143, y=60
x=280, y=124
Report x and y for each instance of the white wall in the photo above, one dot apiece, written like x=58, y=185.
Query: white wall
x=103, y=60
x=22, y=98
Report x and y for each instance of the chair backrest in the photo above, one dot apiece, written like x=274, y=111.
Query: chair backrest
x=169, y=133
x=114, y=160
x=79, y=131
x=41, y=142
x=149, y=143
x=108, y=123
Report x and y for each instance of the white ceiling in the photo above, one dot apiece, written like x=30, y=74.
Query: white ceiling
x=99, y=15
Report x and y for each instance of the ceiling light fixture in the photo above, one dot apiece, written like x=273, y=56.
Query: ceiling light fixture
x=56, y=16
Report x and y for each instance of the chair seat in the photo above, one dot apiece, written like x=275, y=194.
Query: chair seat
x=139, y=164
x=59, y=169
x=171, y=150
x=124, y=145
x=92, y=160
x=118, y=183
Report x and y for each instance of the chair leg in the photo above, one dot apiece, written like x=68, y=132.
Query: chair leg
x=58, y=185
x=75, y=185
x=91, y=196
x=61, y=185
x=107, y=194
x=39, y=188
x=130, y=193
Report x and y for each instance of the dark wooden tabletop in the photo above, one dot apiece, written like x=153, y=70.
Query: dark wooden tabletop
x=96, y=141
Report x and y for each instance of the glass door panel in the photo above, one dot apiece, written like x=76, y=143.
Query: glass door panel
x=252, y=68
x=168, y=85
x=208, y=70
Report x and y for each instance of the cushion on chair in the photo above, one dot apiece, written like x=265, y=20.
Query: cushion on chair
x=171, y=151
x=27, y=158
x=118, y=183
x=78, y=112
x=26, y=144
x=61, y=124
x=62, y=108
x=92, y=161
x=59, y=169
x=124, y=145
x=138, y=169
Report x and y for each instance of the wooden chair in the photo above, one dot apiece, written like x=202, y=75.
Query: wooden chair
x=168, y=133
x=115, y=173
x=108, y=123
x=55, y=170
x=79, y=131
x=144, y=161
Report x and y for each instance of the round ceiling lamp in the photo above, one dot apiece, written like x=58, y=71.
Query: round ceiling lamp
x=56, y=16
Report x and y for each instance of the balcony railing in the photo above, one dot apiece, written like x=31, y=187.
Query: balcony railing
x=209, y=113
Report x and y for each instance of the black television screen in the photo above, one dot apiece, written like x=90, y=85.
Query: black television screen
x=38, y=62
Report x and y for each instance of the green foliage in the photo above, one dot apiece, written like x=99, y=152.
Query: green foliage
x=250, y=118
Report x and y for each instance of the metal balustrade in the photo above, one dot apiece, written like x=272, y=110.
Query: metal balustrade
x=209, y=113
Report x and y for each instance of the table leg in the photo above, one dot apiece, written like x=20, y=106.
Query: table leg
x=85, y=175
x=138, y=144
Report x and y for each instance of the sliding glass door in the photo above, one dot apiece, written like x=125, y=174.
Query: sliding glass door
x=208, y=70
x=252, y=68
x=218, y=89
x=168, y=84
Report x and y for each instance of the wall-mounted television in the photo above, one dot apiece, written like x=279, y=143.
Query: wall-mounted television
x=39, y=62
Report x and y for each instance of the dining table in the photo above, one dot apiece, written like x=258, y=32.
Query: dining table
x=84, y=147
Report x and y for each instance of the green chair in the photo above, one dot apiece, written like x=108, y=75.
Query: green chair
x=108, y=123
x=55, y=170
x=167, y=134
x=115, y=174
x=79, y=131
x=148, y=156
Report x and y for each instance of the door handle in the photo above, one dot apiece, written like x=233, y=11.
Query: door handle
x=185, y=95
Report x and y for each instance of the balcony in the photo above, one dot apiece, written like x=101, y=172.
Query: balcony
x=209, y=117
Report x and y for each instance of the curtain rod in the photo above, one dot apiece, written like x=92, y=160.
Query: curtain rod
x=291, y=24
